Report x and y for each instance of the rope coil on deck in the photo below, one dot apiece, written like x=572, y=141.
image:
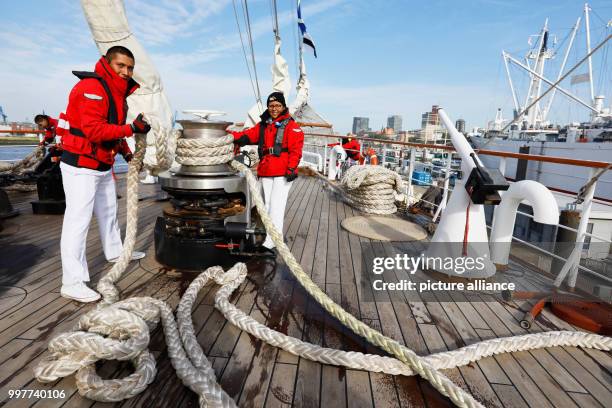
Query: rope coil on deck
x=371, y=189
x=120, y=330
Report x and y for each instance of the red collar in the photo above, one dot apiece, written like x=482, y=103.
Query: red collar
x=280, y=118
x=114, y=81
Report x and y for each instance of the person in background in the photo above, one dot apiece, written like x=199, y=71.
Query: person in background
x=93, y=131
x=48, y=124
x=351, y=146
x=280, y=142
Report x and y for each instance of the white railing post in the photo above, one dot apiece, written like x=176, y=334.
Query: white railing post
x=410, y=191
x=325, y=159
x=442, y=205
x=570, y=268
x=585, y=214
x=502, y=166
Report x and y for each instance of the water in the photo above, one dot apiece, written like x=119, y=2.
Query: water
x=14, y=153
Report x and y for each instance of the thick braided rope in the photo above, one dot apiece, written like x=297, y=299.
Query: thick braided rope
x=388, y=365
x=25, y=164
x=106, y=285
x=371, y=189
x=121, y=331
x=460, y=397
x=205, y=151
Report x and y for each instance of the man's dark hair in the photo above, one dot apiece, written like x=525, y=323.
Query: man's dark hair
x=39, y=118
x=118, y=49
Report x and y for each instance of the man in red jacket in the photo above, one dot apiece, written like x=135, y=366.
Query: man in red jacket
x=93, y=131
x=351, y=146
x=48, y=124
x=280, y=141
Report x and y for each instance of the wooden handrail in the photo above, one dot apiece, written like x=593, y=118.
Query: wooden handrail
x=523, y=156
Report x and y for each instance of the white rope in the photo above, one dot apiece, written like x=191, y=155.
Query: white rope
x=371, y=189
x=205, y=151
x=120, y=329
x=388, y=365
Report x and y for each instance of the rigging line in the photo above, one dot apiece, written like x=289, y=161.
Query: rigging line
x=603, y=65
x=248, y=19
x=246, y=60
x=272, y=15
x=295, y=40
x=276, y=27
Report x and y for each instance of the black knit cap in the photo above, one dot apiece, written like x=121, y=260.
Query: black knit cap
x=277, y=97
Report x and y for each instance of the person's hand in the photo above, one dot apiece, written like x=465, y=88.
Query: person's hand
x=140, y=125
x=128, y=157
x=291, y=174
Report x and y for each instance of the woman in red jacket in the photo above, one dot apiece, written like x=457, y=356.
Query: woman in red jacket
x=280, y=141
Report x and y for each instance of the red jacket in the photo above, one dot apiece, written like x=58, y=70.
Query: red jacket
x=271, y=165
x=92, y=130
x=50, y=130
x=351, y=147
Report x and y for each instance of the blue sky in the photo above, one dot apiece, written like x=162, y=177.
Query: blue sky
x=376, y=58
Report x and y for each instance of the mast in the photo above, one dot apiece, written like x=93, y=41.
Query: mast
x=567, y=51
x=514, y=97
x=588, y=45
x=535, y=87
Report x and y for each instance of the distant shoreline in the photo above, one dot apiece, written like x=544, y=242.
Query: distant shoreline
x=23, y=141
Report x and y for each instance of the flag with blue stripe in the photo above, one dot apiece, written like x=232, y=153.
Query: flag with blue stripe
x=306, y=39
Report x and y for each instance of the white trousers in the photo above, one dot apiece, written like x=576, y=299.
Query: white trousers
x=87, y=191
x=276, y=191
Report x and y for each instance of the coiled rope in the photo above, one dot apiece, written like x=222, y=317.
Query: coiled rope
x=120, y=330
x=371, y=189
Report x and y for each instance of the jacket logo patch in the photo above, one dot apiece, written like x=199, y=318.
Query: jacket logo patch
x=93, y=97
x=297, y=130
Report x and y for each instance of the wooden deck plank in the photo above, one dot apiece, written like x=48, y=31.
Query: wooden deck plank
x=280, y=391
x=270, y=377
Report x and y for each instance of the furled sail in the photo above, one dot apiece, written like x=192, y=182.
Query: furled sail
x=281, y=82
x=109, y=27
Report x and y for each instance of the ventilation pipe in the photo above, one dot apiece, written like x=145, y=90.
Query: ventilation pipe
x=545, y=211
x=337, y=156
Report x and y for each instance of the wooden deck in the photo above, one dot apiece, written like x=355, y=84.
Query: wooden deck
x=256, y=374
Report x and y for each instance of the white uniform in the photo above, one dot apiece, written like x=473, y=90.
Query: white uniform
x=87, y=191
x=276, y=191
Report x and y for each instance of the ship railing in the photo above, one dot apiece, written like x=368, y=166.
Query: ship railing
x=408, y=151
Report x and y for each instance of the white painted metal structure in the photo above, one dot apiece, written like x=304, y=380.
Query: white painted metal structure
x=450, y=232
x=545, y=211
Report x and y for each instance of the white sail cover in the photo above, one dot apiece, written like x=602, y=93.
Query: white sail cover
x=281, y=82
x=303, y=90
x=109, y=27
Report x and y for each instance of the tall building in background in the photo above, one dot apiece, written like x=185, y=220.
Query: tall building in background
x=431, y=129
x=395, y=122
x=430, y=118
x=460, y=125
x=360, y=124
